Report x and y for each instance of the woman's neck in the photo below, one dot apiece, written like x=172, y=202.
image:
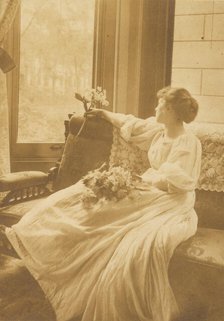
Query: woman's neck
x=173, y=130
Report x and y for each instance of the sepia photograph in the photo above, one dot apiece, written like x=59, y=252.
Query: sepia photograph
x=112, y=160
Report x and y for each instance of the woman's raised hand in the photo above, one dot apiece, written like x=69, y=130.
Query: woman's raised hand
x=95, y=112
x=114, y=118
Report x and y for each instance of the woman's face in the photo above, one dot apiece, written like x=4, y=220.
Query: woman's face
x=162, y=111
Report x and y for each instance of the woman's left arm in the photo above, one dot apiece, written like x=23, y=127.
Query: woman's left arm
x=181, y=170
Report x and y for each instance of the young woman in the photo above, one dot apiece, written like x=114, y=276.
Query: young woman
x=111, y=264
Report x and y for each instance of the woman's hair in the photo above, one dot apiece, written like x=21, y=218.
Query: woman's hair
x=185, y=106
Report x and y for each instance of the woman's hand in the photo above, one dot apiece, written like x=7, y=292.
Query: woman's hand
x=137, y=178
x=160, y=184
x=114, y=118
x=154, y=178
x=96, y=112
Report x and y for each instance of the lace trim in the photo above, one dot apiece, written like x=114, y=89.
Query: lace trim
x=127, y=155
x=212, y=169
x=7, y=17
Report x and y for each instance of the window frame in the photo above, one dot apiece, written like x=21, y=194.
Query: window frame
x=120, y=65
x=23, y=156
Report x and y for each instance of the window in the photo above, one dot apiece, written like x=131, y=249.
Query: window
x=56, y=54
x=53, y=66
x=53, y=45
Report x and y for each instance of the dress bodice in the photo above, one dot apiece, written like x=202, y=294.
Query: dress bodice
x=159, y=150
x=177, y=161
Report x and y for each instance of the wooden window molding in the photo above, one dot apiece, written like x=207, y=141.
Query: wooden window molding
x=134, y=55
x=132, y=61
x=156, y=52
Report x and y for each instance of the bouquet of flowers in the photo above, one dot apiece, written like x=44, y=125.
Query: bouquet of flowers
x=93, y=98
x=112, y=184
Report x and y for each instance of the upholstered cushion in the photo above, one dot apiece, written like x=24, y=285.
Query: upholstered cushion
x=82, y=154
x=206, y=247
x=197, y=276
x=19, y=180
x=93, y=128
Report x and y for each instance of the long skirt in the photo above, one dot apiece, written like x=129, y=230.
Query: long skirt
x=108, y=262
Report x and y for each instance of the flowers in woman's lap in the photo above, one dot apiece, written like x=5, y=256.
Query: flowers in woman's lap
x=112, y=184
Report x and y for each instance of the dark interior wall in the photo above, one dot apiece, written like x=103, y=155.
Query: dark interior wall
x=104, y=46
x=156, y=52
x=133, y=52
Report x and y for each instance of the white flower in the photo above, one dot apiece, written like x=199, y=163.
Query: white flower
x=88, y=95
x=93, y=98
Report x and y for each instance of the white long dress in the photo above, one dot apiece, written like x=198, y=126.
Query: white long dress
x=110, y=263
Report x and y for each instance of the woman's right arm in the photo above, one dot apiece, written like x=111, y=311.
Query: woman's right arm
x=116, y=119
x=138, y=131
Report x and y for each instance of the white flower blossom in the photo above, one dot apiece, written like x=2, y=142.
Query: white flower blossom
x=95, y=97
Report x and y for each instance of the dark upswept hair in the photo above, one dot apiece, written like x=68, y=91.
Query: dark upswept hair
x=185, y=106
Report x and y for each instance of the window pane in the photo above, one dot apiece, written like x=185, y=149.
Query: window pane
x=56, y=60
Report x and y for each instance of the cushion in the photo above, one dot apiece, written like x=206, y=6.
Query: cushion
x=196, y=275
x=80, y=156
x=85, y=152
x=93, y=128
x=19, y=180
x=206, y=247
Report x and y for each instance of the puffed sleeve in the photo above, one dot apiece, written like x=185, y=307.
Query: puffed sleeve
x=181, y=170
x=139, y=131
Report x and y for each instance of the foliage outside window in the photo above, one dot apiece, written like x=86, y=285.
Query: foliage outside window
x=56, y=54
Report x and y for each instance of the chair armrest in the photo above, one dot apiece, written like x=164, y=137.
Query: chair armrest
x=23, y=186
x=19, y=180
x=53, y=172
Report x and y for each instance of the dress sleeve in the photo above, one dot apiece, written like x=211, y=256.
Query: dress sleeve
x=139, y=132
x=181, y=170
